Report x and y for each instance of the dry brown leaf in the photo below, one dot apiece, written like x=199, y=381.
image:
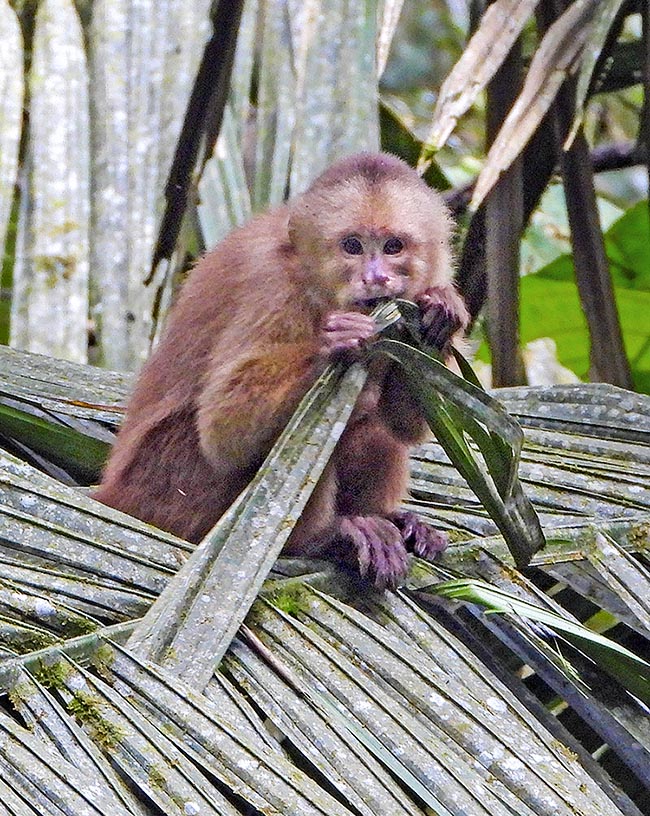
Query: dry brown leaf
x=499, y=28
x=558, y=56
x=608, y=12
x=389, y=19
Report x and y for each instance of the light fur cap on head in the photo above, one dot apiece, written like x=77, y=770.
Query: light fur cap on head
x=374, y=193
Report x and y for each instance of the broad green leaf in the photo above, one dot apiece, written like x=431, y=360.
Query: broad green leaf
x=550, y=305
x=628, y=668
x=72, y=449
x=628, y=247
x=454, y=408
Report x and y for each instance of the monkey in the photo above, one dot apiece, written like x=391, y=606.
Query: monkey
x=257, y=320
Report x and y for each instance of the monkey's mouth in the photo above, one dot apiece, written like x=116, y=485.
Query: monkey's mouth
x=371, y=303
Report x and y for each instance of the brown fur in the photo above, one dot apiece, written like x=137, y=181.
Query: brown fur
x=245, y=341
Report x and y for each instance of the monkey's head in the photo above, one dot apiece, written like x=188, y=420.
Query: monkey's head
x=369, y=228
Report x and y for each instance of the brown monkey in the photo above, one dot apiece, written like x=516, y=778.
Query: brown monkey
x=255, y=323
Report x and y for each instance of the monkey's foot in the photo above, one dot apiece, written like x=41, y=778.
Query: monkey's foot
x=345, y=332
x=419, y=537
x=443, y=314
x=381, y=553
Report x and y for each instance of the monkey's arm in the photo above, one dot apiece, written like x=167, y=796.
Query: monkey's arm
x=245, y=402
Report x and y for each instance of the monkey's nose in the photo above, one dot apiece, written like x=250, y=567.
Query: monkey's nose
x=374, y=273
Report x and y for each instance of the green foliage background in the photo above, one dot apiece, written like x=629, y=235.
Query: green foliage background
x=550, y=306
x=430, y=37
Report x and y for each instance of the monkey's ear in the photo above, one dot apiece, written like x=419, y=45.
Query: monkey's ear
x=298, y=226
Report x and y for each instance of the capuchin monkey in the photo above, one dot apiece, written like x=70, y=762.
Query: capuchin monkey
x=258, y=319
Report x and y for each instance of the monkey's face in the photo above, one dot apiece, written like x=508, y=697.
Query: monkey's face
x=372, y=265
x=359, y=242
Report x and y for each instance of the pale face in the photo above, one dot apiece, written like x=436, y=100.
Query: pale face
x=372, y=265
x=362, y=243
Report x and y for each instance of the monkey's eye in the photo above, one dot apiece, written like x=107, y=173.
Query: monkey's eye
x=352, y=245
x=393, y=246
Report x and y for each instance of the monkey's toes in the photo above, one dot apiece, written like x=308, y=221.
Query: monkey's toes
x=419, y=538
x=380, y=549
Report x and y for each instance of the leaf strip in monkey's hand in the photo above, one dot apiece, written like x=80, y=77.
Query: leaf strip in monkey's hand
x=454, y=408
x=464, y=394
x=389, y=313
x=500, y=441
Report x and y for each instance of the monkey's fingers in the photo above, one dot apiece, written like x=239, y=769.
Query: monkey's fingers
x=419, y=537
x=345, y=331
x=363, y=324
x=444, y=313
x=440, y=325
x=381, y=553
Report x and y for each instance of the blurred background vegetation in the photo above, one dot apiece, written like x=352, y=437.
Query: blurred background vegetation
x=88, y=283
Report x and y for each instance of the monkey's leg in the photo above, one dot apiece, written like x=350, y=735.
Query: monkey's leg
x=370, y=544
x=378, y=548
x=159, y=474
x=373, y=545
x=378, y=483
x=371, y=472
x=403, y=417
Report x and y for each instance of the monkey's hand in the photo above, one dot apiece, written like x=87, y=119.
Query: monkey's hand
x=345, y=333
x=444, y=314
x=418, y=537
x=380, y=550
